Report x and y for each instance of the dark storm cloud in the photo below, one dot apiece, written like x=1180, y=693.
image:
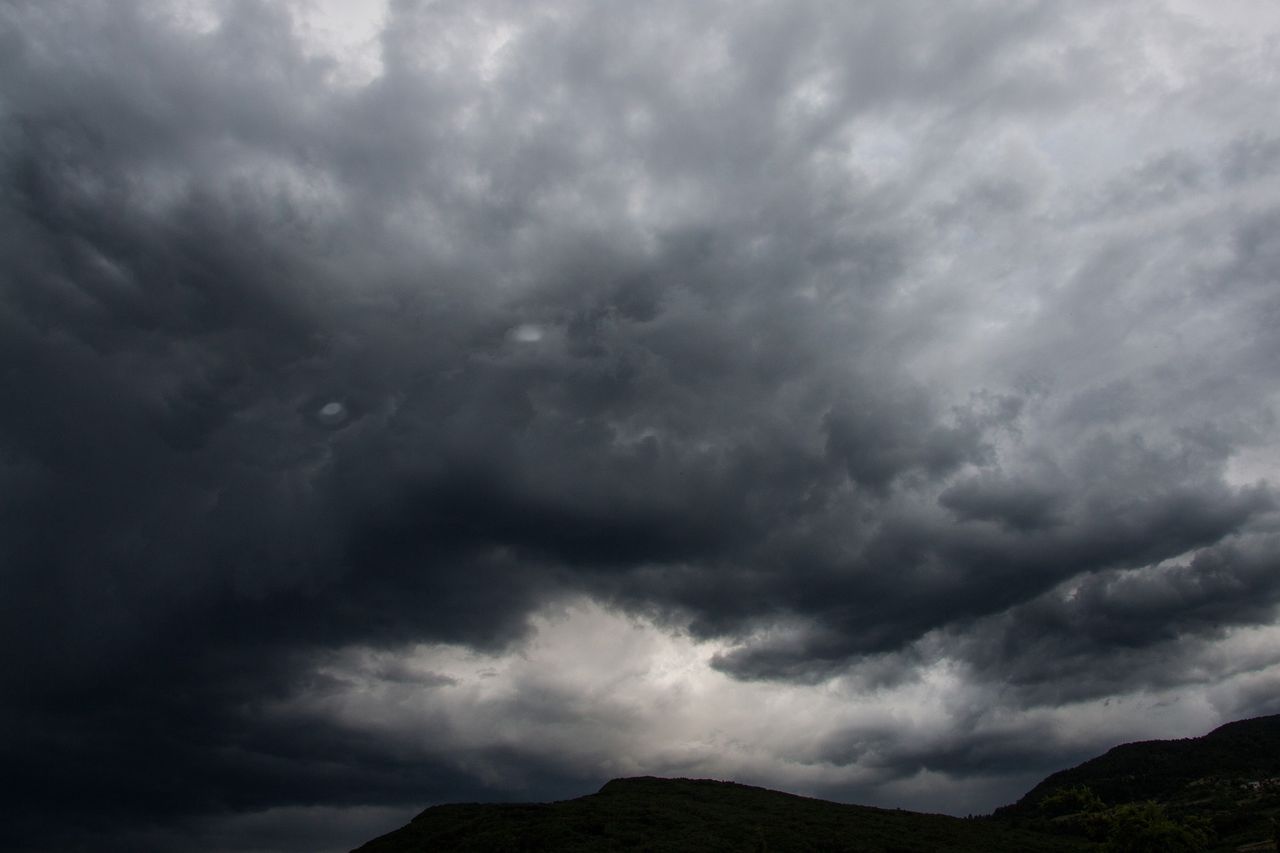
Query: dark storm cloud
x=917, y=570
x=718, y=314
x=1019, y=505
x=1031, y=748
x=1131, y=628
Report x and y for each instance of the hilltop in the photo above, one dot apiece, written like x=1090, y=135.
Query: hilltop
x=679, y=815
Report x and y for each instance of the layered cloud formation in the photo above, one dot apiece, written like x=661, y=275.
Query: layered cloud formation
x=441, y=401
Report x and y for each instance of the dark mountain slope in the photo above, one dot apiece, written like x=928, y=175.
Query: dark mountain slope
x=1227, y=782
x=1218, y=792
x=702, y=816
x=1243, y=751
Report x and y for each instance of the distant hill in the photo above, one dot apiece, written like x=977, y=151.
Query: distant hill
x=1229, y=778
x=702, y=816
x=1220, y=792
x=1246, y=750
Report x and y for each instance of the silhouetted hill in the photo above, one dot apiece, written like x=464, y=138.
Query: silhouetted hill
x=702, y=816
x=1218, y=792
x=1247, y=750
x=1229, y=778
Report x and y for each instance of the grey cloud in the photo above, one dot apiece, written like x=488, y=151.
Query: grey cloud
x=1253, y=157
x=916, y=572
x=879, y=439
x=776, y=379
x=972, y=751
x=1162, y=180
x=1130, y=627
x=1018, y=505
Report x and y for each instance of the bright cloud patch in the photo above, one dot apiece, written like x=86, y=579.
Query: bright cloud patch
x=602, y=694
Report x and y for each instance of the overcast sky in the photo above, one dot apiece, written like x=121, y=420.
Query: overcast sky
x=428, y=401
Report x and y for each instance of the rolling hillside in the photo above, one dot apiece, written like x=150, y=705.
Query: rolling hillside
x=1229, y=779
x=670, y=815
x=1219, y=792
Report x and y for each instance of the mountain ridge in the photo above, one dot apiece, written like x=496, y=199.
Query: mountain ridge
x=1216, y=792
x=1149, y=769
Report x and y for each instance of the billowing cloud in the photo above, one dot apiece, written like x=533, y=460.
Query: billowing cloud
x=882, y=396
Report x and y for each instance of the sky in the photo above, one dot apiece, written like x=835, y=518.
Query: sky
x=411, y=402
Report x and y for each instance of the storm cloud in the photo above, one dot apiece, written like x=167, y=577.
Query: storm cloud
x=432, y=401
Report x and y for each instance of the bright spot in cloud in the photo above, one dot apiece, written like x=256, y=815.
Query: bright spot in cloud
x=347, y=32
x=332, y=413
x=527, y=333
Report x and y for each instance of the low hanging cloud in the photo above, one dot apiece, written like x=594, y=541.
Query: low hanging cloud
x=902, y=375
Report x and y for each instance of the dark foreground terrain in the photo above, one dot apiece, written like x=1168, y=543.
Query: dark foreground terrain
x=1220, y=792
x=699, y=815
x=1226, y=783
